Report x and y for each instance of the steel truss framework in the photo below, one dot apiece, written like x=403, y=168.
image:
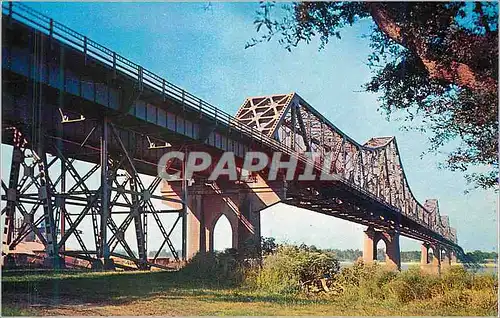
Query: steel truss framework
x=374, y=167
x=36, y=186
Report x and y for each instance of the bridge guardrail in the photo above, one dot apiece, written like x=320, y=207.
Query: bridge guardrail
x=156, y=83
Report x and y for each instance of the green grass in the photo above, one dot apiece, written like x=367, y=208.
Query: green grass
x=175, y=293
x=13, y=310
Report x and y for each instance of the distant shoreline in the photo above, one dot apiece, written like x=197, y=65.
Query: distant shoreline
x=488, y=265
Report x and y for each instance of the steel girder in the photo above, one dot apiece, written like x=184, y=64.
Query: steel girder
x=264, y=113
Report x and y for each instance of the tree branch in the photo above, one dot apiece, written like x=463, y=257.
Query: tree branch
x=455, y=72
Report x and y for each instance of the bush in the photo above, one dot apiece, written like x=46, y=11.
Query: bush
x=413, y=284
x=486, y=281
x=456, y=277
x=292, y=269
x=453, y=299
x=365, y=280
x=483, y=299
x=358, y=274
x=220, y=268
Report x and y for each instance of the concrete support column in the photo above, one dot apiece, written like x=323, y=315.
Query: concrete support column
x=436, y=258
x=196, y=229
x=424, y=257
x=194, y=215
x=446, y=258
x=249, y=228
x=208, y=202
x=453, y=258
x=370, y=245
x=424, y=254
x=391, y=240
x=393, y=252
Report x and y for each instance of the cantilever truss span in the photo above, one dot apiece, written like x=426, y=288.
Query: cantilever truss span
x=373, y=167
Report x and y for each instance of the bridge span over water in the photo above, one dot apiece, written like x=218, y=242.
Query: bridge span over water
x=65, y=98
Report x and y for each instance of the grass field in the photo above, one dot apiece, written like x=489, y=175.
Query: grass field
x=173, y=293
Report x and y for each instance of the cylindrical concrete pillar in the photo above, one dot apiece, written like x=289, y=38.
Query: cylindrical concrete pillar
x=393, y=252
x=424, y=254
x=446, y=258
x=436, y=258
x=369, y=245
x=453, y=258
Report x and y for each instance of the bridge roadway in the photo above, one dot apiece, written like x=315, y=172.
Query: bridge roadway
x=72, y=98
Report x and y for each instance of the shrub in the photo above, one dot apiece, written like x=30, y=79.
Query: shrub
x=456, y=277
x=365, y=279
x=292, y=269
x=486, y=281
x=454, y=299
x=482, y=302
x=220, y=268
x=484, y=299
x=357, y=274
x=413, y=284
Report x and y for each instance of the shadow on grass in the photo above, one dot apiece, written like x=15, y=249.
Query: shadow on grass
x=99, y=289
x=243, y=296
x=95, y=287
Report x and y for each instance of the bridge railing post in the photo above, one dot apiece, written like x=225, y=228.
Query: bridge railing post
x=51, y=29
x=163, y=90
x=10, y=10
x=85, y=50
x=200, y=109
x=114, y=64
x=140, y=78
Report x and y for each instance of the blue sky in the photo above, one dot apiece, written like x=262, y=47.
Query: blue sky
x=203, y=52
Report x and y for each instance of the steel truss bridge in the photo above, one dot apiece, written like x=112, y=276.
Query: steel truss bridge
x=66, y=98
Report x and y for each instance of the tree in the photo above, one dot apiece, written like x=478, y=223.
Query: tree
x=481, y=257
x=381, y=254
x=435, y=65
x=410, y=256
x=268, y=245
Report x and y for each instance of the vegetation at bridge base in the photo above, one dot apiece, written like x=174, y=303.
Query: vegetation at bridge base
x=291, y=269
x=300, y=271
x=219, y=269
x=305, y=272
x=289, y=280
